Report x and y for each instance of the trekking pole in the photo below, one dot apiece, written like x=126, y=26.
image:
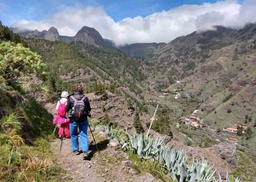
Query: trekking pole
x=61, y=142
x=61, y=139
x=94, y=139
x=54, y=129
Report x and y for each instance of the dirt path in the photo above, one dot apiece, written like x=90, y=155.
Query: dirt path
x=109, y=165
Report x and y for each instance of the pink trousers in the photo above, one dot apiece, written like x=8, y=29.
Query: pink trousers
x=64, y=130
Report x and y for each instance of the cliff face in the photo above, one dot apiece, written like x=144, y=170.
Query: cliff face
x=90, y=36
x=52, y=34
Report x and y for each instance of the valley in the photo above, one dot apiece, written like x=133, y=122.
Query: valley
x=204, y=84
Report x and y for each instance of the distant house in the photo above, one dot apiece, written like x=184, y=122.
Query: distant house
x=231, y=130
x=245, y=127
x=185, y=121
x=233, y=139
x=165, y=92
x=196, y=125
x=192, y=117
x=240, y=125
x=198, y=119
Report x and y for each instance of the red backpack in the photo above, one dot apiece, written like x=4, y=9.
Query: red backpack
x=62, y=109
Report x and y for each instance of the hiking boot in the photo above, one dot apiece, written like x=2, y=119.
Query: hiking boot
x=77, y=152
x=86, y=156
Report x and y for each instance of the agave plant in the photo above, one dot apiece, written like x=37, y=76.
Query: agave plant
x=171, y=159
x=227, y=179
x=157, y=146
x=200, y=171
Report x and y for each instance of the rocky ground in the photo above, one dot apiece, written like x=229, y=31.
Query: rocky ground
x=108, y=164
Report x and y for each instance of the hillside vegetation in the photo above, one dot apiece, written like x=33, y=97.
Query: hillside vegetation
x=206, y=79
x=25, y=125
x=215, y=69
x=213, y=73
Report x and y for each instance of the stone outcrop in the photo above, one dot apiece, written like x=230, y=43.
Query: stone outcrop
x=90, y=36
x=52, y=34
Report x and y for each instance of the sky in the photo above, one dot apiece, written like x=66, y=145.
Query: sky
x=128, y=21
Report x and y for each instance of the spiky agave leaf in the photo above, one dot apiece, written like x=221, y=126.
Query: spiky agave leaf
x=140, y=144
x=183, y=172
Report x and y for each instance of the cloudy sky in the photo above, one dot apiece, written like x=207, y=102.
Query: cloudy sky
x=128, y=21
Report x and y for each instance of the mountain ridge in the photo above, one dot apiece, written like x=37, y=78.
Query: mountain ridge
x=147, y=51
x=211, y=72
x=91, y=36
x=86, y=35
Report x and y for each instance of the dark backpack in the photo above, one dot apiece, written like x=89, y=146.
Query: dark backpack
x=62, y=109
x=79, y=108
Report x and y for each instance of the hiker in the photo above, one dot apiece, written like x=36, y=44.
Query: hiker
x=61, y=109
x=78, y=108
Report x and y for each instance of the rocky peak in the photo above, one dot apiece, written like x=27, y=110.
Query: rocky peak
x=52, y=34
x=34, y=34
x=90, y=36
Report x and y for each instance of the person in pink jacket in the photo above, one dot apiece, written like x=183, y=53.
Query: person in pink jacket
x=64, y=128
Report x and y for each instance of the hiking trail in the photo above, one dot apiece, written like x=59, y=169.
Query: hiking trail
x=109, y=164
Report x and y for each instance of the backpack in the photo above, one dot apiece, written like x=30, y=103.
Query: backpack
x=62, y=109
x=79, y=108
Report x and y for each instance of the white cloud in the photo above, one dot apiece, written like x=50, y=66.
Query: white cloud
x=247, y=13
x=68, y=22
x=158, y=27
